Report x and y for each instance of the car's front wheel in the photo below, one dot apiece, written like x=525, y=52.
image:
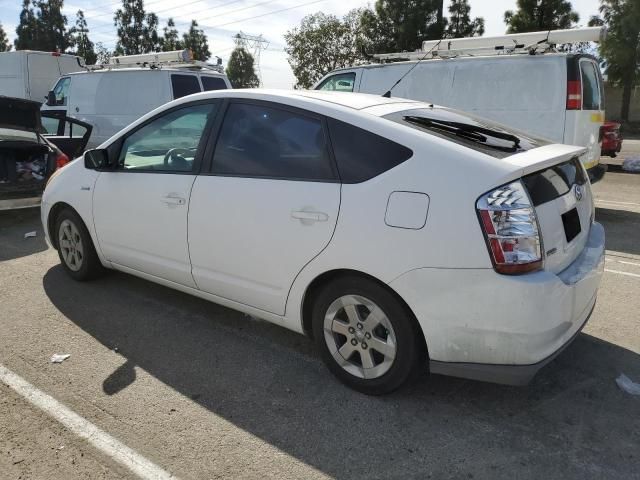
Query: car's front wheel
x=366, y=336
x=75, y=247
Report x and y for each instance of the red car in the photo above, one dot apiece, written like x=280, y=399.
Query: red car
x=611, y=139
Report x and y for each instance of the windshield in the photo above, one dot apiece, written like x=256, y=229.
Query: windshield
x=468, y=130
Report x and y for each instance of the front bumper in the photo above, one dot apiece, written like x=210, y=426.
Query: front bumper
x=483, y=325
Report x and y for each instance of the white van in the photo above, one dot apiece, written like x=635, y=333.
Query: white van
x=558, y=96
x=29, y=74
x=109, y=99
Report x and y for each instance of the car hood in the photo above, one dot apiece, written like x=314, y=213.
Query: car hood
x=20, y=114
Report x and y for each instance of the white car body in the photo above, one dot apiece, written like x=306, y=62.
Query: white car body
x=31, y=74
x=109, y=100
x=257, y=244
x=526, y=92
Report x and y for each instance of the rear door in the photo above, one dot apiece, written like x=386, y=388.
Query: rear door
x=268, y=206
x=70, y=135
x=583, y=123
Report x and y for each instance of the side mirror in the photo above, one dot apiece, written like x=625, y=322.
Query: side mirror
x=97, y=159
x=51, y=99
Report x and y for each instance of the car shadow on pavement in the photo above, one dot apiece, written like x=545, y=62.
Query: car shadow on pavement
x=571, y=421
x=622, y=229
x=14, y=224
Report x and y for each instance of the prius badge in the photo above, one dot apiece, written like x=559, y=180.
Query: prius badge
x=578, y=192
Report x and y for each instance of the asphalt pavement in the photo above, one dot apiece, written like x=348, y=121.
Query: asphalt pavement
x=202, y=391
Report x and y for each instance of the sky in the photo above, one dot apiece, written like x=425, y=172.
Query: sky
x=222, y=19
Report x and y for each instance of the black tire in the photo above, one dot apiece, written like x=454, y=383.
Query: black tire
x=88, y=266
x=410, y=353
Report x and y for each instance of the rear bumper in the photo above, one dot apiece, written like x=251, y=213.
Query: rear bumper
x=483, y=325
x=16, y=203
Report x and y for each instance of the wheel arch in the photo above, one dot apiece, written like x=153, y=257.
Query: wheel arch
x=331, y=275
x=51, y=220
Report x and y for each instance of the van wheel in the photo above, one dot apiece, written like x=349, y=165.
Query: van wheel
x=75, y=247
x=366, y=336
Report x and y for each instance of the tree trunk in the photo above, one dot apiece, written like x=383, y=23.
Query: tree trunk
x=440, y=14
x=627, y=88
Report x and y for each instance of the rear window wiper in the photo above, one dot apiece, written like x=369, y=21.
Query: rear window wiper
x=471, y=132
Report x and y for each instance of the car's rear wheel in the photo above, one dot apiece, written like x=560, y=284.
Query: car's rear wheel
x=366, y=336
x=75, y=247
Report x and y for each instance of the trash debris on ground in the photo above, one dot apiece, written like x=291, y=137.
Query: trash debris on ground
x=59, y=357
x=628, y=385
x=30, y=234
x=631, y=164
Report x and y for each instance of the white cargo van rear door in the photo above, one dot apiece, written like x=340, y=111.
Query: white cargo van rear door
x=43, y=72
x=13, y=75
x=585, y=108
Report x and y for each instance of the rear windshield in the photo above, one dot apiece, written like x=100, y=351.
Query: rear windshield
x=554, y=182
x=473, y=132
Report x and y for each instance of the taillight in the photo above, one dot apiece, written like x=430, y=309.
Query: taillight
x=510, y=228
x=61, y=160
x=574, y=95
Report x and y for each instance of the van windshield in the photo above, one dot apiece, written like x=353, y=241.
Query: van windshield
x=468, y=130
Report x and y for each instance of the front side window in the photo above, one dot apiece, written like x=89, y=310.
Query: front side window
x=261, y=141
x=213, y=83
x=590, y=86
x=168, y=143
x=61, y=91
x=341, y=82
x=184, y=85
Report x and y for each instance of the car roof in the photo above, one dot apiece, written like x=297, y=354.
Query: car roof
x=352, y=101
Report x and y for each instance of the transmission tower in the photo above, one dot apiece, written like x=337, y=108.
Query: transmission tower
x=254, y=44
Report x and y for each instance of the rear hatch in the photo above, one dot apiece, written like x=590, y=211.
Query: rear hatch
x=26, y=161
x=560, y=193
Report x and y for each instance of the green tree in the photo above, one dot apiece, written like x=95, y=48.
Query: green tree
x=240, y=69
x=137, y=30
x=196, y=41
x=170, y=40
x=621, y=47
x=323, y=43
x=5, y=46
x=460, y=24
x=103, y=54
x=26, y=29
x=42, y=26
x=401, y=25
x=80, y=40
x=538, y=15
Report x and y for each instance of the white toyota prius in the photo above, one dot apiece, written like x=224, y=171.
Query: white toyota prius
x=393, y=232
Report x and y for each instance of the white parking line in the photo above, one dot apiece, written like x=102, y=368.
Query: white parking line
x=622, y=273
x=626, y=263
x=616, y=203
x=83, y=428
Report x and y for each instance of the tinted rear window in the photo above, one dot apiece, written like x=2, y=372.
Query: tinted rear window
x=362, y=155
x=473, y=132
x=184, y=85
x=554, y=182
x=213, y=83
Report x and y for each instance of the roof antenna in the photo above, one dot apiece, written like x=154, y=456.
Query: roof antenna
x=387, y=94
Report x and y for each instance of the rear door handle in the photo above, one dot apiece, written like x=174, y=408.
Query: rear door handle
x=173, y=199
x=309, y=216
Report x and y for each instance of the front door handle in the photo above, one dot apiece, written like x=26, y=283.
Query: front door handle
x=173, y=199
x=307, y=217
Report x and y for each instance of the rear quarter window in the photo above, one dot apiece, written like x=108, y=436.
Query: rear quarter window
x=213, y=83
x=362, y=155
x=184, y=85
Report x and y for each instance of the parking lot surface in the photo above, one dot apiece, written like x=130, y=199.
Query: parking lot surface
x=205, y=392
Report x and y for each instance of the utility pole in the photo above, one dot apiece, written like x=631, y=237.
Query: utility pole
x=254, y=44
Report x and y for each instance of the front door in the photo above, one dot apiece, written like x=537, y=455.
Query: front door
x=268, y=208
x=140, y=209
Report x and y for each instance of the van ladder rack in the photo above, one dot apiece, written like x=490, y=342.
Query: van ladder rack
x=531, y=43
x=174, y=59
